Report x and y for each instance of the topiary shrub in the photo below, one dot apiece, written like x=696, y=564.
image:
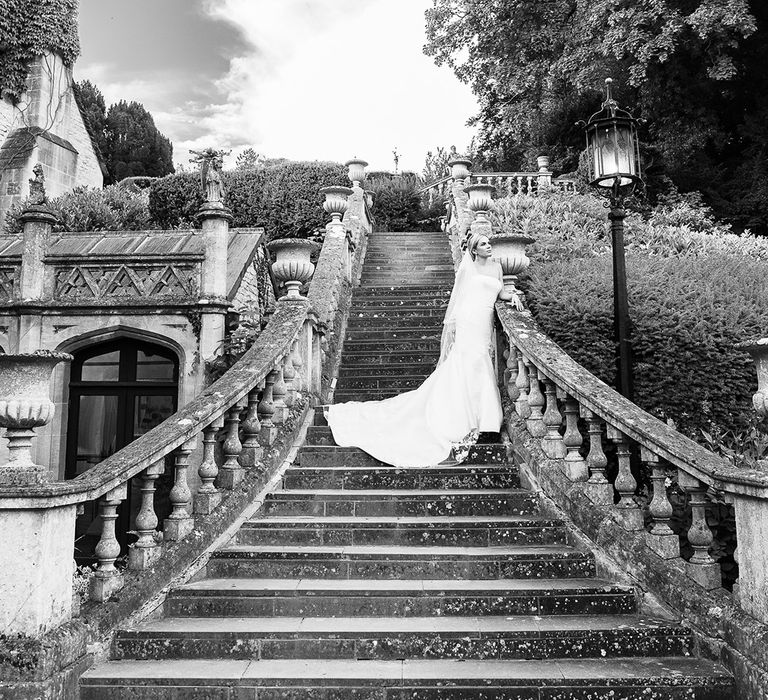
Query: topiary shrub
x=283, y=197
x=113, y=208
x=687, y=314
x=396, y=204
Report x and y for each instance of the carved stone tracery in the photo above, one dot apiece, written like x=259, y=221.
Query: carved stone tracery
x=95, y=282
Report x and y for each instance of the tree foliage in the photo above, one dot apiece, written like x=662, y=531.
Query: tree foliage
x=92, y=106
x=694, y=69
x=134, y=145
x=30, y=28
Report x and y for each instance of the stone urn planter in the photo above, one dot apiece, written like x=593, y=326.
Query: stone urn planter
x=336, y=202
x=509, y=250
x=480, y=199
x=356, y=171
x=758, y=348
x=459, y=168
x=25, y=404
x=543, y=163
x=293, y=266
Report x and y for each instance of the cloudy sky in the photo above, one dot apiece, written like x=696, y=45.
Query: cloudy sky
x=300, y=79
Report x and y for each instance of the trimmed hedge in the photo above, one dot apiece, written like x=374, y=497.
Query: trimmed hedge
x=113, y=208
x=284, y=198
x=692, y=294
x=396, y=206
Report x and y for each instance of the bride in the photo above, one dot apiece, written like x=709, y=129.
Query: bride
x=458, y=400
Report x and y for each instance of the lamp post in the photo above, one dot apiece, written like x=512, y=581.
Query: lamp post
x=614, y=170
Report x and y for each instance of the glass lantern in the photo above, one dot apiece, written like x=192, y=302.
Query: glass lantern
x=613, y=147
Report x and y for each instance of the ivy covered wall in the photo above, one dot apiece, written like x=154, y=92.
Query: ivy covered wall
x=29, y=28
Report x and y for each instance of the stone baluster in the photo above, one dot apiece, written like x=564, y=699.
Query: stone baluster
x=267, y=411
x=598, y=489
x=231, y=472
x=251, y=453
x=146, y=549
x=107, y=578
x=575, y=467
x=289, y=376
x=208, y=496
x=279, y=392
x=522, y=383
x=519, y=182
x=512, y=370
x=535, y=421
x=530, y=184
x=627, y=513
x=661, y=539
x=298, y=365
x=180, y=523
x=552, y=444
x=701, y=567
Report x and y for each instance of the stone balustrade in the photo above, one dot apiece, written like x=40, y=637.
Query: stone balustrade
x=258, y=400
x=505, y=184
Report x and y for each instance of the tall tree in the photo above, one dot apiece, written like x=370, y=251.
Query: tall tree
x=134, y=144
x=537, y=67
x=94, y=110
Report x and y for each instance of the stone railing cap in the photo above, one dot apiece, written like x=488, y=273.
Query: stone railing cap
x=281, y=243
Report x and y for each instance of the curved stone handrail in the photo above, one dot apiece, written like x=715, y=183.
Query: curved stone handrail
x=185, y=424
x=630, y=419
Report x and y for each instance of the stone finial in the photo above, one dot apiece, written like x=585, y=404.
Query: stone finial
x=758, y=349
x=356, y=171
x=37, y=194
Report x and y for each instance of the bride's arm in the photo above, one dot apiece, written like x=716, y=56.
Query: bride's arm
x=505, y=294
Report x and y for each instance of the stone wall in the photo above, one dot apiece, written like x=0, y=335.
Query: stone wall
x=57, y=136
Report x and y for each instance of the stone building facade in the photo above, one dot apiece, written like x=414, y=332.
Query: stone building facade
x=141, y=312
x=46, y=127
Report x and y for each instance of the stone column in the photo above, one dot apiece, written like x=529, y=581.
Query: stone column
x=544, y=178
x=38, y=222
x=460, y=174
x=337, y=204
x=215, y=218
x=355, y=217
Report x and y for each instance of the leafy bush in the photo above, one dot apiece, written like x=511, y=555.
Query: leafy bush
x=687, y=314
x=283, y=197
x=113, y=208
x=396, y=204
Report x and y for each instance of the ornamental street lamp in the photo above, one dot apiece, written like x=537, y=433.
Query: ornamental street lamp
x=614, y=170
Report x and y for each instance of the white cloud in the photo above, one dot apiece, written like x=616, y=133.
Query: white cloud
x=332, y=79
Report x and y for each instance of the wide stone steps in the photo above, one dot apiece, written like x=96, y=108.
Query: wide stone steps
x=356, y=580
x=393, y=638
x=400, y=561
x=392, y=477
x=261, y=597
x=471, y=531
x=638, y=678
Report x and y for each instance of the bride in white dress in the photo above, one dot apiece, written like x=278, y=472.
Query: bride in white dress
x=458, y=400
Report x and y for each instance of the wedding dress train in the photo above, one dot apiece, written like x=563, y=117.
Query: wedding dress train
x=459, y=399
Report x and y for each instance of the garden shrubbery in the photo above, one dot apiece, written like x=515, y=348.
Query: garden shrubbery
x=695, y=290
x=282, y=197
x=113, y=208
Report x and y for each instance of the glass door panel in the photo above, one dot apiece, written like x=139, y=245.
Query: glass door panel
x=97, y=427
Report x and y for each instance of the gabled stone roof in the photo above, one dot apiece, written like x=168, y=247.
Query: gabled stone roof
x=19, y=144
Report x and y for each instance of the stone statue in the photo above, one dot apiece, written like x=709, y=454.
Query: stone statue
x=37, y=186
x=211, y=162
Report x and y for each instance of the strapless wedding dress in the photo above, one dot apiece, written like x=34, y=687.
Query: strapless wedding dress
x=460, y=398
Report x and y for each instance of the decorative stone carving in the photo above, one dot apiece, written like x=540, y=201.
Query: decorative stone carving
x=459, y=167
x=25, y=404
x=293, y=266
x=759, y=350
x=509, y=250
x=543, y=163
x=37, y=194
x=336, y=203
x=211, y=162
x=97, y=282
x=356, y=171
x=8, y=280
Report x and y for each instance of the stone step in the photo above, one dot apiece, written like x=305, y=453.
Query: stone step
x=436, y=301
x=246, y=597
x=383, y=561
x=363, y=359
x=392, y=638
x=321, y=435
x=333, y=456
x=416, y=502
x=631, y=678
x=379, y=279
x=402, y=292
x=342, y=396
x=381, y=477
x=396, y=312
x=380, y=373
x=395, y=321
x=395, y=345
x=470, y=531
x=394, y=335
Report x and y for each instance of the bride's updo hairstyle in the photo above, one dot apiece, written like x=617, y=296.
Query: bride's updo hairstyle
x=472, y=240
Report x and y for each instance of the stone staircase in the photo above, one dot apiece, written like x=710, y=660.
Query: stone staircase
x=361, y=581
